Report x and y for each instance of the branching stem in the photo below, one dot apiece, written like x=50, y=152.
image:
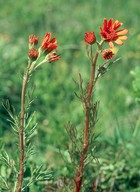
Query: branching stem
x=79, y=176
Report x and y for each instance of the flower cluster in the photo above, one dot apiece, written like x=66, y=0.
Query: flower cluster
x=33, y=52
x=47, y=46
x=111, y=34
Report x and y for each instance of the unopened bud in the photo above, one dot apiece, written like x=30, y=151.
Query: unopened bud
x=90, y=37
x=33, y=53
x=107, y=54
x=52, y=57
x=33, y=39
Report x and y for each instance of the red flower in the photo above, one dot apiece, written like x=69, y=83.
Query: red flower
x=90, y=37
x=49, y=44
x=107, y=54
x=110, y=32
x=33, y=53
x=33, y=39
x=53, y=57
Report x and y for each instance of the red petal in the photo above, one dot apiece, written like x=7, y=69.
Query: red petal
x=105, y=23
x=110, y=22
x=53, y=40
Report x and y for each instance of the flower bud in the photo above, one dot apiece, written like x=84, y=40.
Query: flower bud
x=33, y=53
x=33, y=39
x=107, y=54
x=52, y=57
x=90, y=37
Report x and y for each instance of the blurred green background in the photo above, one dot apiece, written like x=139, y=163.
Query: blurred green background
x=54, y=100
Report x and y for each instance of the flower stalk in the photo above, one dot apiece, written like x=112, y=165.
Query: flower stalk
x=47, y=46
x=107, y=54
x=79, y=175
x=21, y=132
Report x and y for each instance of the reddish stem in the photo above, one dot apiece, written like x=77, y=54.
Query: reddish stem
x=21, y=133
x=79, y=176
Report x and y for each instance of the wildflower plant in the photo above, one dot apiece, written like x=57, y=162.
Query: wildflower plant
x=82, y=145
x=22, y=124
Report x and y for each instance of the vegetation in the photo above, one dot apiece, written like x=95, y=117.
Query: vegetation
x=116, y=164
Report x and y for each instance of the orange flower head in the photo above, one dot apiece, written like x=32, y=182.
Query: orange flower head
x=90, y=37
x=49, y=44
x=53, y=57
x=107, y=54
x=33, y=53
x=33, y=39
x=110, y=32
